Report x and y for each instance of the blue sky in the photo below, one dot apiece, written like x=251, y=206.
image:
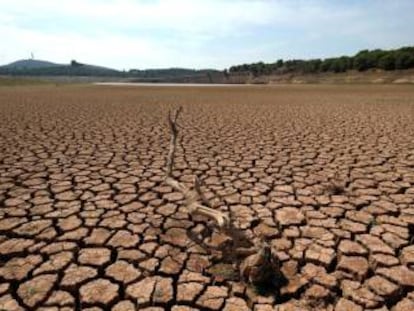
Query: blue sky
x=125, y=34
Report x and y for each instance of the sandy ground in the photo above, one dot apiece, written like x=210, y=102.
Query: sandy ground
x=86, y=222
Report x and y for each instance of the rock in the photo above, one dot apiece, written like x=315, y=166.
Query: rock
x=287, y=216
x=34, y=291
x=100, y=291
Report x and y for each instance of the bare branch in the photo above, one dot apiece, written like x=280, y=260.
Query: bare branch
x=172, y=121
x=191, y=196
x=197, y=187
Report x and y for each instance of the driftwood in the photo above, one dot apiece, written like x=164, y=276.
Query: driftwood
x=191, y=196
x=259, y=264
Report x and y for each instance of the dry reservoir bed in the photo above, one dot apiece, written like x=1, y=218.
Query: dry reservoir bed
x=325, y=173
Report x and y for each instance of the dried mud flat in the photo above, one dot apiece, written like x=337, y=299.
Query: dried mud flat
x=86, y=222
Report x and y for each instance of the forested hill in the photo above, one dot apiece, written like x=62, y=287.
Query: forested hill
x=402, y=58
x=31, y=67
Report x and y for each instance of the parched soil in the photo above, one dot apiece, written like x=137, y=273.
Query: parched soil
x=325, y=173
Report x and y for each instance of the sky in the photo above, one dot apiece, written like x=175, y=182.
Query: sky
x=141, y=34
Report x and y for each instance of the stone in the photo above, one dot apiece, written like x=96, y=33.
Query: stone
x=99, y=291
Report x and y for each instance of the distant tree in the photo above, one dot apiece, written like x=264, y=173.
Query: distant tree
x=387, y=62
x=74, y=63
x=404, y=60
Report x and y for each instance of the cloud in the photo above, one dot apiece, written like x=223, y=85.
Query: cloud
x=202, y=33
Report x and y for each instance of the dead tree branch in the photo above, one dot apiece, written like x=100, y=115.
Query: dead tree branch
x=259, y=265
x=191, y=196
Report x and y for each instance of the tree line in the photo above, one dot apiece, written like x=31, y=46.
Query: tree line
x=402, y=58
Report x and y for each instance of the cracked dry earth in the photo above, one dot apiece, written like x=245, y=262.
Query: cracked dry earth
x=86, y=222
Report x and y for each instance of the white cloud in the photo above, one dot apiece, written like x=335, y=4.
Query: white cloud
x=198, y=33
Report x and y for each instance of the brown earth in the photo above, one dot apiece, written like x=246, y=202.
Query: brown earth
x=325, y=172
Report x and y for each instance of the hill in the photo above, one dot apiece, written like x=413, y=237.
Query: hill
x=31, y=67
x=29, y=64
x=36, y=68
x=387, y=60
